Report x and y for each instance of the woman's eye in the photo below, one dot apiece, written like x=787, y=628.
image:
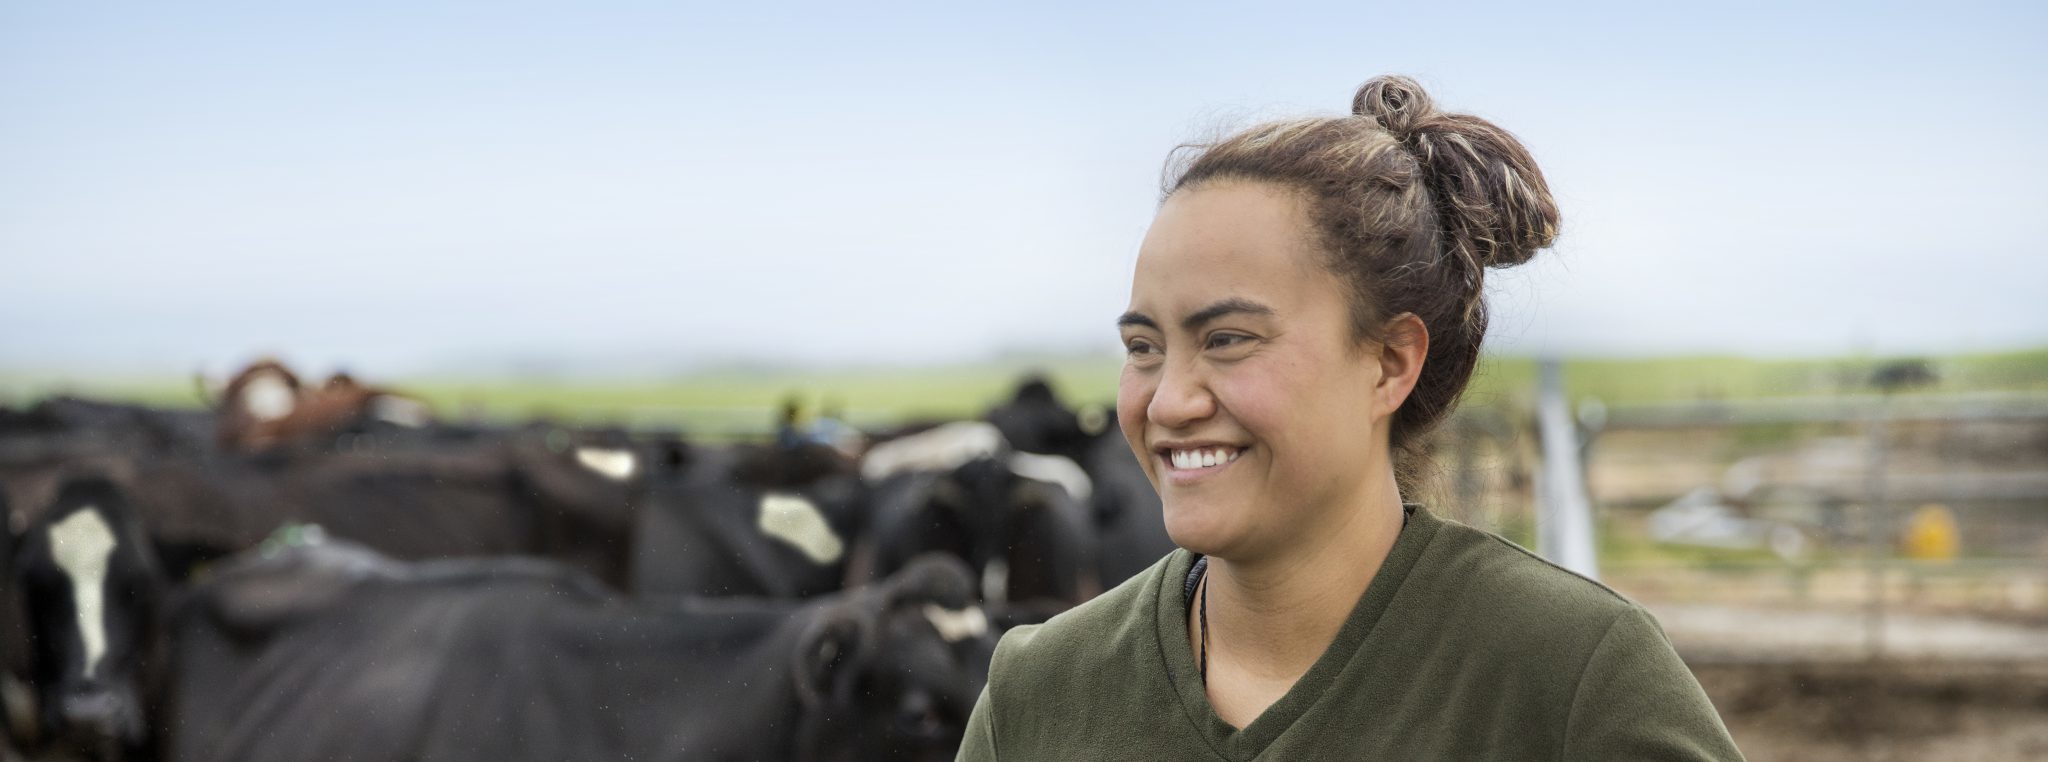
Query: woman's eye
x=1224, y=340
x=1137, y=347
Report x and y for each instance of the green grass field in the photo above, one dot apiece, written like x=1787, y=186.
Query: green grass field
x=745, y=400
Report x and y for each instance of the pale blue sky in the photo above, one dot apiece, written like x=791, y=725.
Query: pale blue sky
x=428, y=186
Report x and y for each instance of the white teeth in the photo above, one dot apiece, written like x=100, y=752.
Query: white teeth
x=1204, y=458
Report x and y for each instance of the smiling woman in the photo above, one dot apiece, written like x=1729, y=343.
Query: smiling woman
x=1306, y=306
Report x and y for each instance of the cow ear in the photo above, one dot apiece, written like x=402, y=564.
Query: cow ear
x=264, y=594
x=825, y=652
x=932, y=578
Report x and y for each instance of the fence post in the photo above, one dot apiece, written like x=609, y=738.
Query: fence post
x=1564, y=514
x=1876, y=529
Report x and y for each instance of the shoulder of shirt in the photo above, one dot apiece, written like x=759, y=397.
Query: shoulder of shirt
x=1469, y=572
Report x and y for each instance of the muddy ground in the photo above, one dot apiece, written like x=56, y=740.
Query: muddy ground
x=1883, y=711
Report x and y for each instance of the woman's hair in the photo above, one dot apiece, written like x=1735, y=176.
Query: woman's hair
x=1411, y=205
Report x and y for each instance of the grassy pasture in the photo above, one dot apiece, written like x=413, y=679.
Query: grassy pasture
x=733, y=400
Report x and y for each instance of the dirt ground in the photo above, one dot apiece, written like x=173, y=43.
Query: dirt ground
x=1885, y=711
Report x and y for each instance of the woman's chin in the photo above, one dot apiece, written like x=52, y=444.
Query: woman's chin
x=1196, y=528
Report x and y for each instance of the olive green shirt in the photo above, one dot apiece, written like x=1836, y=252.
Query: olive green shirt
x=1464, y=647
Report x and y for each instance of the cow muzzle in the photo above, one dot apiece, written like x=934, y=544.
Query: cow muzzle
x=100, y=722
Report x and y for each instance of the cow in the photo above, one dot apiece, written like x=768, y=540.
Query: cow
x=330, y=652
x=1130, y=526
x=1130, y=521
x=1019, y=519
x=537, y=492
x=266, y=407
x=108, y=425
x=750, y=520
x=43, y=444
x=91, y=595
x=1034, y=420
x=181, y=513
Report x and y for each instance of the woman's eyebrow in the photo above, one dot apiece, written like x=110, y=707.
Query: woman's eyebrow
x=1137, y=318
x=1231, y=306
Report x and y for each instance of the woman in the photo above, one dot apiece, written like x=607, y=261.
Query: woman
x=1306, y=307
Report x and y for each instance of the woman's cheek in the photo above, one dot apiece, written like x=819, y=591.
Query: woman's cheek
x=1133, y=396
x=1257, y=400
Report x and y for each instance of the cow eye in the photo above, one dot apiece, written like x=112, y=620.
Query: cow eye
x=925, y=723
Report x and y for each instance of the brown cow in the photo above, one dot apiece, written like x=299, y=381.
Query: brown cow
x=265, y=407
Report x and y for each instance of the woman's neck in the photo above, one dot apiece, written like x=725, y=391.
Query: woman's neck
x=1271, y=618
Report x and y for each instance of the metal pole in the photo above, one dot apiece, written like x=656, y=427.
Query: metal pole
x=1877, y=532
x=1564, y=515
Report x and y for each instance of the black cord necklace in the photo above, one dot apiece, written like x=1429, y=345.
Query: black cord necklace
x=1200, y=573
x=1205, y=627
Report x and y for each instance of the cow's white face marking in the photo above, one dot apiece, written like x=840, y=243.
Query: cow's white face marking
x=81, y=544
x=957, y=625
x=941, y=449
x=268, y=398
x=616, y=465
x=1058, y=469
x=794, y=520
x=995, y=581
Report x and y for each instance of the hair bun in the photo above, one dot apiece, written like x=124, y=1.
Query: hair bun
x=1398, y=103
x=1491, y=199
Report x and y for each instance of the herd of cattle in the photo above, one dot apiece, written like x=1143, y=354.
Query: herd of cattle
x=325, y=573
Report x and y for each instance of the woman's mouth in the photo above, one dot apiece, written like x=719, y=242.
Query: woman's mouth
x=1186, y=464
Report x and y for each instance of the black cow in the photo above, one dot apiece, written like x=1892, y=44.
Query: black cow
x=111, y=424
x=329, y=653
x=43, y=445
x=772, y=521
x=1035, y=421
x=1027, y=538
x=1129, y=523
x=515, y=499
x=91, y=593
x=541, y=492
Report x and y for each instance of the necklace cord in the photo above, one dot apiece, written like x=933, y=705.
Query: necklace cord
x=1202, y=586
x=1205, y=627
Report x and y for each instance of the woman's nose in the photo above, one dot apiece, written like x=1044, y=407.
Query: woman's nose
x=1182, y=399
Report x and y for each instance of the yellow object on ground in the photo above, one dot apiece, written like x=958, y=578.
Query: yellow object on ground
x=1931, y=533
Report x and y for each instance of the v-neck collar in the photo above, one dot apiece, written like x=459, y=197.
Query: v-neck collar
x=1247, y=742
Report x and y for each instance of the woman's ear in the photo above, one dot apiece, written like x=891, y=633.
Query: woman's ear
x=1400, y=359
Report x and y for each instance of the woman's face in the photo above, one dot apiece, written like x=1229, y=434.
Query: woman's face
x=1244, y=393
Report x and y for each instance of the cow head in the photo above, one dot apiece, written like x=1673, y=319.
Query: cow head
x=1034, y=420
x=1015, y=519
x=254, y=404
x=91, y=591
x=892, y=671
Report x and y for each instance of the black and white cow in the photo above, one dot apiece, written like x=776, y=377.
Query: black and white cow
x=1034, y=420
x=504, y=493
x=1130, y=521
x=91, y=594
x=1019, y=519
x=518, y=498
x=1130, y=526
x=335, y=653
x=773, y=521
x=45, y=444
